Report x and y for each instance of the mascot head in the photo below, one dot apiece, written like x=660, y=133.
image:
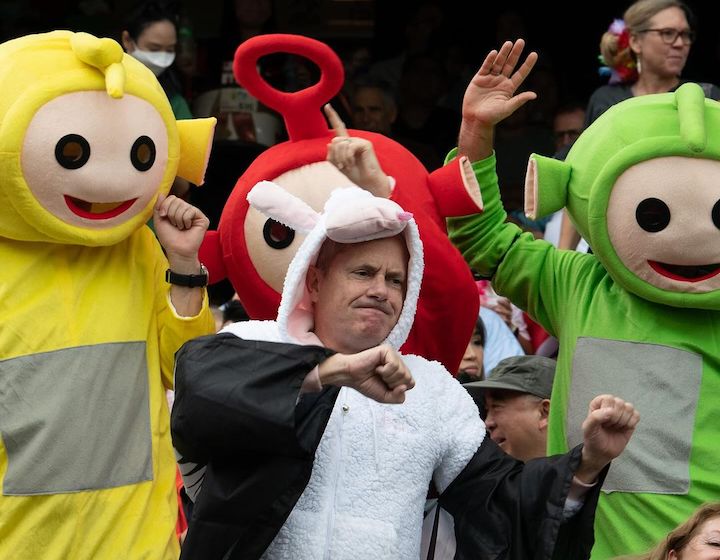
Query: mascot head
x=642, y=185
x=87, y=140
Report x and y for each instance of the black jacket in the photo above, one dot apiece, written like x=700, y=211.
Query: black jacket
x=237, y=411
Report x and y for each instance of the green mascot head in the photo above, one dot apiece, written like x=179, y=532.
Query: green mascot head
x=642, y=186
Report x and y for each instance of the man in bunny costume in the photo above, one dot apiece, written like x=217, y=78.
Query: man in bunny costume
x=317, y=439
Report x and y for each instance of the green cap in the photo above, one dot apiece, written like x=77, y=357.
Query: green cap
x=525, y=374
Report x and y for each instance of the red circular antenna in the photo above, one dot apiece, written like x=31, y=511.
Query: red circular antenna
x=302, y=110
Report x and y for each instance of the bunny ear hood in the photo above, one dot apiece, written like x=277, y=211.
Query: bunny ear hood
x=350, y=215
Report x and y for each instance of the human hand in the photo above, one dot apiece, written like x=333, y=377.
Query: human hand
x=378, y=373
x=490, y=97
x=180, y=228
x=355, y=158
x=606, y=431
x=503, y=307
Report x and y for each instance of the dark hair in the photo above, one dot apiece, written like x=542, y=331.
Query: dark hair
x=233, y=311
x=145, y=13
x=480, y=330
x=383, y=86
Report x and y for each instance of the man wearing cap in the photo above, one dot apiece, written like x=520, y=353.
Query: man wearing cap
x=517, y=400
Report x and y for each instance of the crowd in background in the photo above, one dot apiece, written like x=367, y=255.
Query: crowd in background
x=414, y=97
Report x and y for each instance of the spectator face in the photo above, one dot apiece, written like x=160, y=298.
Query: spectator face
x=705, y=545
x=373, y=111
x=517, y=422
x=159, y=36
x=472, y=362
x=358, y=298
x=657, y=56
x=253, y=13
x=567, y=127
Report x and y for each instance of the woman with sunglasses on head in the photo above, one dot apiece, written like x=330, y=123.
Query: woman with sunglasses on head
x=645, y=52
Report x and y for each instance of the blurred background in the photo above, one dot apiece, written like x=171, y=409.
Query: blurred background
x=565, y=34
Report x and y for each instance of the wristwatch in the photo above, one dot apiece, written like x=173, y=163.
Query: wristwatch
x=188, y=280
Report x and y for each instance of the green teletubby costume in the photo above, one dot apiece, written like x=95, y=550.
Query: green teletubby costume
x=639, y=318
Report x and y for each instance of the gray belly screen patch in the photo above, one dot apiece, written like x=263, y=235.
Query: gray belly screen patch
x=76, y=419
x=664, y=384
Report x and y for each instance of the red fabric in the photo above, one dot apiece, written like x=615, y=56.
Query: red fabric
x=448, y=306
x=538, y=335
x=182, y=524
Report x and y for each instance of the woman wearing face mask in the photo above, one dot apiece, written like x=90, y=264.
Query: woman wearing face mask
x=150, y=36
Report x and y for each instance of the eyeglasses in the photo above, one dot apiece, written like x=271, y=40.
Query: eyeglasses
x=670, y=35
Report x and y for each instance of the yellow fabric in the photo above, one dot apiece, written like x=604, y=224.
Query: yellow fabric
x=195, y=139
x=55, y=297
x=39, y=68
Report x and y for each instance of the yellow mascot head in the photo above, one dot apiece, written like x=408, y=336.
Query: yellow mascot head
x=87, y=140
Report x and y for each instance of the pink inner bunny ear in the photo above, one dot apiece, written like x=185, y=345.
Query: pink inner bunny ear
x=276, y=203
x=405, y=216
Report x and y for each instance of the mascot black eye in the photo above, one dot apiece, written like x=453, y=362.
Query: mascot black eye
x=716, y=214
x=72, y=151
x=142, y=153
x=277, y=235
x=653, y=215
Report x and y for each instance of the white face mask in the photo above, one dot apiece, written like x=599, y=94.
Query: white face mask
x=157, y=61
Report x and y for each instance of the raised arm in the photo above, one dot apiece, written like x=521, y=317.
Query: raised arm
x=490, y=97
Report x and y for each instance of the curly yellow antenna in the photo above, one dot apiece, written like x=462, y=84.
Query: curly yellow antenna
x=104, y=54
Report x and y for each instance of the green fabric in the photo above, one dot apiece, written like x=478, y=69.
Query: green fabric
x=180, y=107
x=572, y=295
x=682, y=124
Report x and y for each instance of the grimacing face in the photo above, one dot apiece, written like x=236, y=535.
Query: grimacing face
x=663, y=221
x=102, y=172
x=357, y=301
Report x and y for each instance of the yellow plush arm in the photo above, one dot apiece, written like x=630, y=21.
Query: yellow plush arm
x=195, y=140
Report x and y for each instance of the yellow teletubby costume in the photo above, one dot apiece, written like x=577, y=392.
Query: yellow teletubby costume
x=87, y=329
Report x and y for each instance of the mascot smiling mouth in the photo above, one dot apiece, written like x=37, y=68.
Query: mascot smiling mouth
x=97, y=210
x=686, y=273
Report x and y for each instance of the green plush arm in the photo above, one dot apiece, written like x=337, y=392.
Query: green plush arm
x=534, y=275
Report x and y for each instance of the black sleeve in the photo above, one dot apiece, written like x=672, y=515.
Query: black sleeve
x=236, y=410
x=239, y=396
x=506, y=509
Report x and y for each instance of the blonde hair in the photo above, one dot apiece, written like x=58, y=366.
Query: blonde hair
x=636, y=18
x=678, y=538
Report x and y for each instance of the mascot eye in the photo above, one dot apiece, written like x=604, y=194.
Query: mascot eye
x=72, y=151
x=277, y=235
x=653, y=215
x=716, y=214
x=142, y=153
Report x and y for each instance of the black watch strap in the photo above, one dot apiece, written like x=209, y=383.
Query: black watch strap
x=188, y=280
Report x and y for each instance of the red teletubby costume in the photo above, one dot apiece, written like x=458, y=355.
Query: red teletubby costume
x=253, y=252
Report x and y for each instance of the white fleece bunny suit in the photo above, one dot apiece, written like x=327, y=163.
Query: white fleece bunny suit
x=373, y=467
